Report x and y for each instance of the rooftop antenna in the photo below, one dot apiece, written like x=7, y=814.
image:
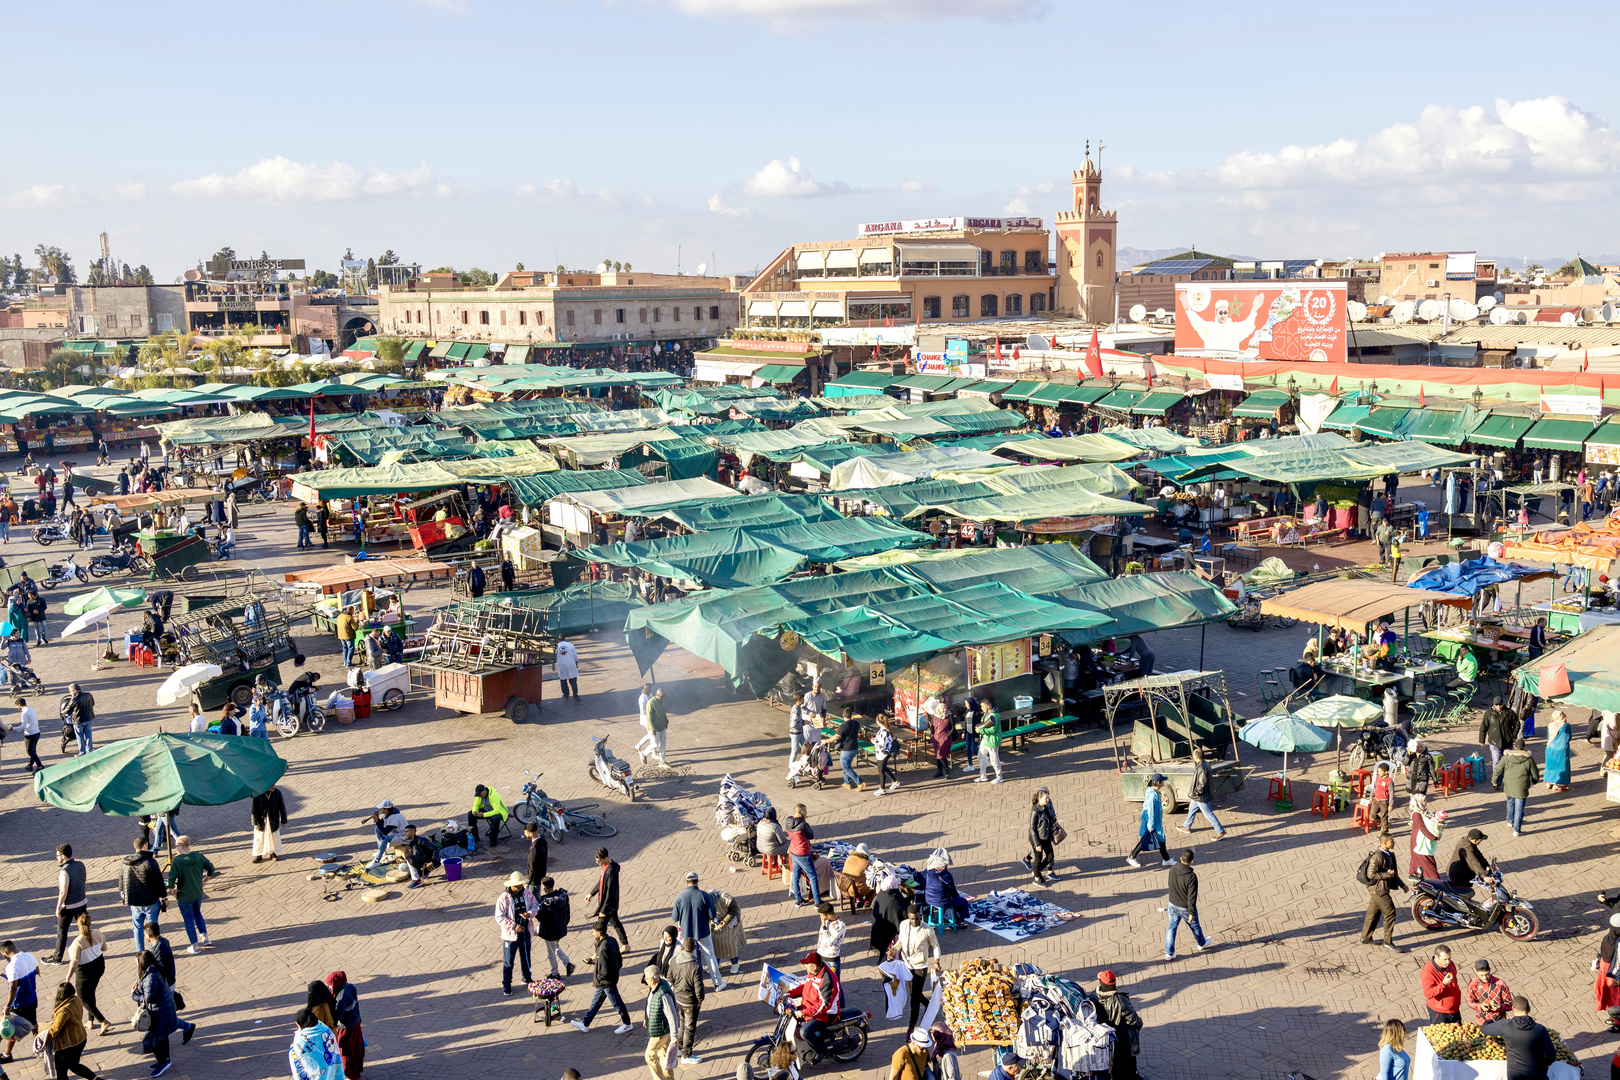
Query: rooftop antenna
x=1100, y=149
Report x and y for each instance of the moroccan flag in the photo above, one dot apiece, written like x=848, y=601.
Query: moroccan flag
x=1094, y=366
x=1333, y=391
x=1421, y=403
x=1586, y=360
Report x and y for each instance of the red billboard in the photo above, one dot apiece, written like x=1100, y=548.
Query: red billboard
x=1262, y=320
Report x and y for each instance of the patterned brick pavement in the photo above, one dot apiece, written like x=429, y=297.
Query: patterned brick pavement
x=1286, y=988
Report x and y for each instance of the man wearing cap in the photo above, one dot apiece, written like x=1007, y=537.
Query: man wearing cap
x=662, y=1021
x=910, y=1062
x=1114, y=1009
x=686, y=979
x=1467, y=863
x=1008, y=1066
x=819, y=997
x=389, y=825
x=694, y=914
x=487, y=806
x=1487, y=995
x=514, y=914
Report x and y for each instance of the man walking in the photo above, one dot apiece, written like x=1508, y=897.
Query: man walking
x=79, y=709
x=539, y=853
x=606, y=894
x=551, y=923
x=686, y=980
x=22, y=988
x=1379, y=875
x=1200, y=796
x=606, y=962
x=1514, y=775
x=1184, y=905
x=645, y=744
x=1497, y=730
x=796, y=722
x=661, y=1022
x=28, y=725
x=848, y=744
x=658, y=725
x=988, y=733
x=301, y=519
x=514, y=914
x=694, y=914
x=140, y=883
x=1442, y=993
x=186, y=875
x=567, y=665
x=269, y=812
x=71, y=901
x=345, y=636
x=1530, y=1049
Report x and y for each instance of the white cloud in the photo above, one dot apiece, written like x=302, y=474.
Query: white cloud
x=796, y=16
x=1028, y=190
x=918, y=185
x=44, y=197
x=717, y=205
x=282, y=180
x=790, y=179
x=124, y=193
x=566, y=191
x=1429, y=181
x=1016, y=206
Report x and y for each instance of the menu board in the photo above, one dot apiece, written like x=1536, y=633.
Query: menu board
x=993, y=663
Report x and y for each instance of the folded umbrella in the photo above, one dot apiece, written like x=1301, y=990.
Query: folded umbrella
x=178, y=685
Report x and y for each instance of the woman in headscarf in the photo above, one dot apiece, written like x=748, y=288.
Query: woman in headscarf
x=351, y=1044
x=153, y=995
x=728, y=929
x=939, y=734
x=1555, y=771
x=322, y=1005
x=946, y=1066
x=939, y=886
x=888, y=912
x=668, y=946
x=314, y=1054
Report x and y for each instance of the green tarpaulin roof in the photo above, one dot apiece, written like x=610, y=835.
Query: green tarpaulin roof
x=1442, y=427
x=899, y=500
x=752, y=512
x=154, y=774
x=1594, y=677
x=779, y=374
x=1386, y=422
x=1140, y=603
x=1158, y=402
x=825, y=458
x=534, y=490
x=1262, y=404
x=1068, y=393
x=1346, y=417
x=651, y=500
x=683, y=458
x=1500, y=429
x=1605, y=434
x=1557, y=434
x=1074, y=448
x=1020, y=390
x=883, y=469
x=457, y=350
x=1157, y=438
x=1120, y=400
x=1069, y=501
x=414, y=350
x=747, y=444
x=863, y=380
x=588, y=450
x=425, y=476
x=986, y=386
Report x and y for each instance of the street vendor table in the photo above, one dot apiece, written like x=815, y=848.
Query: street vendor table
x=1339, y=678
x=1564, y=621
x=1477, y=641
x=1428, y=1065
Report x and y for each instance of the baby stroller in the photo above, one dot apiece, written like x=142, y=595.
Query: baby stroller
x=740, y=843
x=810, y=767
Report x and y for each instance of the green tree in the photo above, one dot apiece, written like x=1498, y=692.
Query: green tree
x=143, y=276
x=388, y=258
x=320, y=279
x=61, y=368
x=371, y=273
x=95, y=276
x=561, y=269
x=627, y=266
x=475, y=276
x=55, y=263
x=125, y=274
x=390, y=355
x=617, y=267
x=156, y=354
x=19, y=271
x=226, y=252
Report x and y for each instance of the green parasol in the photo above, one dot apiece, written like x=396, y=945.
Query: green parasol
x=1284, y=734
x=1339, y=711
x=124, y=598
x=153, y=775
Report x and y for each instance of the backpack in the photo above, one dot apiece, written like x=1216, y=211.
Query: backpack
x=1362, y=870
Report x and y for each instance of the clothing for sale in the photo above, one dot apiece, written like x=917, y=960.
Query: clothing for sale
x=1014, y=914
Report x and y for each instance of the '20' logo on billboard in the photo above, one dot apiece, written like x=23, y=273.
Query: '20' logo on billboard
x=1320, y=307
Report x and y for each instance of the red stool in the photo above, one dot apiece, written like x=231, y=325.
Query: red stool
x=1364, y=816
x=1361, y=778
x=1322, y=803
x=144, y=657
x=772, y=865
x=1448, y=780
x=1280, y=789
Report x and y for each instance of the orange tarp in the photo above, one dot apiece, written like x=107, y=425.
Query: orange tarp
x=1352, y=604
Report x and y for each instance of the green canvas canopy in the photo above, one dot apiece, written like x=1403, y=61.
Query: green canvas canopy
x=1346, y=417
x=683, y=458
x=1074, y=448
x=1158, y=402
x=535, y=490
x=1021, y=390
x=752, y=512
x=153, y=775
x=1555, y=434
x=1120, y=400
x=1158, y=438
x=1594, y=678
x=1262, y=404
x=1442, y=427
x=1501, y=429
x=1387, y=422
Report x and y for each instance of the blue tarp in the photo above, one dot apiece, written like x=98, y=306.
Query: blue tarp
x=1467, y=578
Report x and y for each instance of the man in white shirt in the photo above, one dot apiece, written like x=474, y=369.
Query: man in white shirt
x=648, y=739
x=631, y=535
x=389, y=825
x=815, y=701
x=28, y=724
x=199, y=722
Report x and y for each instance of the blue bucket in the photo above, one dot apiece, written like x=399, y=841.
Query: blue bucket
x=452, y=869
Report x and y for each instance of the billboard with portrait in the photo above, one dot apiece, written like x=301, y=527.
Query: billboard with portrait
x=1262, y=320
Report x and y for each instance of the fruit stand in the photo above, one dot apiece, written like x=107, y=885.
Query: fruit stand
x=1463, y=1052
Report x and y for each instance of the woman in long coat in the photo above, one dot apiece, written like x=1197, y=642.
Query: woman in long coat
x=727, y=929
x=939, y=734
x=888, y=912
x=1556, y=770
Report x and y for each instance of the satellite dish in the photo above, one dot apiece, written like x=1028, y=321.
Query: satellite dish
x=1521, y=317
x=602, y=267
x=1037, y=343
x=1462, y=310
x=702, y=268
x=193, y=275
x=1357, y=310
x=1429, y=310
x=1567, y=319
x=1486, y=303
x=1501, y=316
x=1159, y=313
x=1138, y=313
x=1383, y=299
x=1537, y=280
x=1607, y=312
x=1402, y=312
x=1589, y=314
x=1497, y=296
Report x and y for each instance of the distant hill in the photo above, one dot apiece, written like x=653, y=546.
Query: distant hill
x=1127, y=257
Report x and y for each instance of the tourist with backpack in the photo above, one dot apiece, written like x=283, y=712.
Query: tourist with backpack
x=1377, y=872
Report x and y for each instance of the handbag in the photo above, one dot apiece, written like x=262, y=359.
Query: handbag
x=1059, y=834
x=179, y=1001
x=143, y=1020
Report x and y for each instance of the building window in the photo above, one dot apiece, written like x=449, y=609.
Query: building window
x=483, y=318
x=1034, y=262
x=642, y=313
x=675, y=313
x=464, y=318
x=1009, y=263
x=697, y=313
x=961, y=306
x=986, y=266
x=503, y=316
x=165, y=322
x=523, y=318
x=987, y=306
x=1099, y=260
x=1015, y=304
x=618, y=315
x=540, y=318
x=570, y=317
x=658, y=313
x=714, y=312
x=930, y=307
x=597, y=316
x=1037, y=303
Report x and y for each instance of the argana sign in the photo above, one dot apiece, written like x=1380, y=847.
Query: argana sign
x=1263, y=320
x=944, y=224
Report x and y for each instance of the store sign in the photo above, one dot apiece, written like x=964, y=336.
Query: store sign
x=1602, y=454
x=1223, y=382
x=944, y=224
x=993, y=663
x=1576, y=404
x=770, y=346
x=1262, y=320
x=928, y=363
x=252, y=266
x=877, y=673
x=237, y=303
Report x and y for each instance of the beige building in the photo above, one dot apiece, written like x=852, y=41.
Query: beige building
x=1087, y=239
x=535, y=308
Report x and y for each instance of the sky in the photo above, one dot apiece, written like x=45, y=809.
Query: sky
x=674, y=133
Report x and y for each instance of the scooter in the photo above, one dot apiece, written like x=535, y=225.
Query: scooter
x=610, y=771
x=50, y=532
x=123, y=560
x=845, y=1039
x=540, y=807
x=64, y=572
x=296, y=711
x=1436, y=907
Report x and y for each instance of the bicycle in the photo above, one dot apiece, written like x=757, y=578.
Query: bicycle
x=557, y=819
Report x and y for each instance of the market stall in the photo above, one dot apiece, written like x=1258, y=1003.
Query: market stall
x=481, y=658
x=1464, y=1052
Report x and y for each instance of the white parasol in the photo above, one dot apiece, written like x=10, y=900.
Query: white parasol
x=88, y=618
x=178, y=685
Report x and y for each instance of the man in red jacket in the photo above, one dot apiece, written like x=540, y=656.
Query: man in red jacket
x=1441, y=991
x=819, y=996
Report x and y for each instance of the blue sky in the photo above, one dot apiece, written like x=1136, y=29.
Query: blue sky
x=484, y=133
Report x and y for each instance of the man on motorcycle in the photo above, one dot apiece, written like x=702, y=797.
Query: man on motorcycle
x=1467, y=863
x=819, y=997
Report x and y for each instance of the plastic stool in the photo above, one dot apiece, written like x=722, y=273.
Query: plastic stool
x=1361, y=778
x=942, y=918
x=1280, y=789
x=1448, y=780
x=1364, y=816
x=1322, y=803
x=772, y=865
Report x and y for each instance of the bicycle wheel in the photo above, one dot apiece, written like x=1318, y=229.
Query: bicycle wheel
x=591, y=826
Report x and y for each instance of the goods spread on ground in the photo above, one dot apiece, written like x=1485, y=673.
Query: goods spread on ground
x=981, y=1002
x=1466, y=1042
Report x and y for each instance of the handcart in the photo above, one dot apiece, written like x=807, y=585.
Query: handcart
x=178, y=560
x=244, y=636
x=389, y=685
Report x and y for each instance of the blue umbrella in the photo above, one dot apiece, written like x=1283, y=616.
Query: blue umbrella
x=1286, y=734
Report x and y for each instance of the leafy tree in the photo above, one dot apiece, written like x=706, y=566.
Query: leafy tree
x=55, y=263
x=371, y=273
x=518, y=267
x=627, y=266
x=390, y=355
x=125, y=274
x=476, y=276
x=561, y=269
x=5, y=269
x=388, y=258
x=348, y=255
x=617, y=267
x=61, y=368
x=226, y=252
x=95, y=276
x=320, y=279
x=442, y=270
x=19, y=271
x=142, y=275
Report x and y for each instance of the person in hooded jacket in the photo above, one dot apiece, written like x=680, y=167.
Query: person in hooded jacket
x=140, y=883
x=1529, y=1047
x=1514, y=775
x=351, y=1043
x=888, y=912
x=1114, y=1008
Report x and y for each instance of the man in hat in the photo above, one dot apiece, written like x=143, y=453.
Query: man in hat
x=515, y=910
x=1487, y=995
x=819, y=996
x=1008, y=1066
x=694, y=914
x=1114, y=1009
x=910, y=1062
x=389, y=825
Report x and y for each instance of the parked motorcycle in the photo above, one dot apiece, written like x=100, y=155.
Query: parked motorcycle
x=845, y=1039
x=536, y=805
x=50, y=532
x=610, y=771
x=295, y=711
x=1436, y=907
x=1378, y=743
x=63, y=573
x=124, y=560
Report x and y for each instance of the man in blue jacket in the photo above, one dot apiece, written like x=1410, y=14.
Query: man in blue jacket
x=694, y=914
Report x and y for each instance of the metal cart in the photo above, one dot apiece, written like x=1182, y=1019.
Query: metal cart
x=245, y=636
x=485, y=658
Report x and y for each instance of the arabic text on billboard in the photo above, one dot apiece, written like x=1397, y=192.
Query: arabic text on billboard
x=1262, y=320
x=943, y=224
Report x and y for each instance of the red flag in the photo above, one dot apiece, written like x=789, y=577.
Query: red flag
x=1586, y=360
x=312, y=423
x=1015, y=354
x=1094, y=356
x=1333, y=391
x=1421, y=402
